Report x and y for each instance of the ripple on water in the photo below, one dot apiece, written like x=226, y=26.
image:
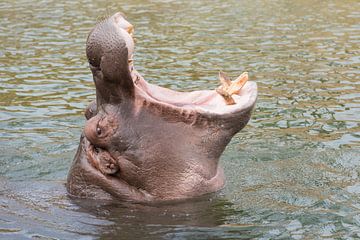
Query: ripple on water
x=292, y=172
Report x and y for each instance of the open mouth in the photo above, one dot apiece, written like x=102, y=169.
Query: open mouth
x=205, y=101
x=230, y=97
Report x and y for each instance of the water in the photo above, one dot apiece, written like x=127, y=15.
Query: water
x=292, y=173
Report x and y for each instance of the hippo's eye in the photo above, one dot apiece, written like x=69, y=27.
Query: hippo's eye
x=98, y=131
x=96, y=149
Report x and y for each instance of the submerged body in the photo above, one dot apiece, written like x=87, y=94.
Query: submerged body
x=145, y=143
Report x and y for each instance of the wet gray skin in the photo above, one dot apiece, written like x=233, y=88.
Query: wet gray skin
x=145, y=143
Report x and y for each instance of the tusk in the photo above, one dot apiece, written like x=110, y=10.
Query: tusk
x=238, y=83
x=224, y=79
x=130, y=30
x=228, y=87
x=228, y=98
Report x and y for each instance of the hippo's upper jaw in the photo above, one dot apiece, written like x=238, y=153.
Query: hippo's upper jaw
x=145, y=143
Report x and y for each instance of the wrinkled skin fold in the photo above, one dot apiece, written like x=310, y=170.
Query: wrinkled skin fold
x=145, y=143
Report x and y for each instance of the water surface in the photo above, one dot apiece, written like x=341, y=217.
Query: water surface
x=292, y=173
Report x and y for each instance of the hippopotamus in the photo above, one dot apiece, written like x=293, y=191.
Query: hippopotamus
x=145, y=143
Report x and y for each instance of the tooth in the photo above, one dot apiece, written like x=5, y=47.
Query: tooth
x=228, y=87
x=130, y=30
x=224, y=79
x=227, y=97
x=238, y=83
x=131, y=60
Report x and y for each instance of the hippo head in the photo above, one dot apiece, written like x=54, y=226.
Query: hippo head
x=146, y=143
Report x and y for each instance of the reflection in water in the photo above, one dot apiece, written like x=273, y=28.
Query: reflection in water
x=43, y=210
x=168, y=220
x=293, y=172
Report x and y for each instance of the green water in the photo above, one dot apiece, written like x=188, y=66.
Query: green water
x=292, y=173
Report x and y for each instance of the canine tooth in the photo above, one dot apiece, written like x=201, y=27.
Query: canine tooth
x=238, y=83
x=224, y=79
x=131, y=60
x=130, y=29
x=227, y=97
x=228, y=87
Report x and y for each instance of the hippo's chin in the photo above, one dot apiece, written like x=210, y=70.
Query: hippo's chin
x=146, y=143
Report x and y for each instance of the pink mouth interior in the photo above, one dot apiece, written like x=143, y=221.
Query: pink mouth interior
x=203, y=101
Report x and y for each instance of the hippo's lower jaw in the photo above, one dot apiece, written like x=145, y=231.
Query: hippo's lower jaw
x=206, y=105
x=86, y=181
x=145, y=143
